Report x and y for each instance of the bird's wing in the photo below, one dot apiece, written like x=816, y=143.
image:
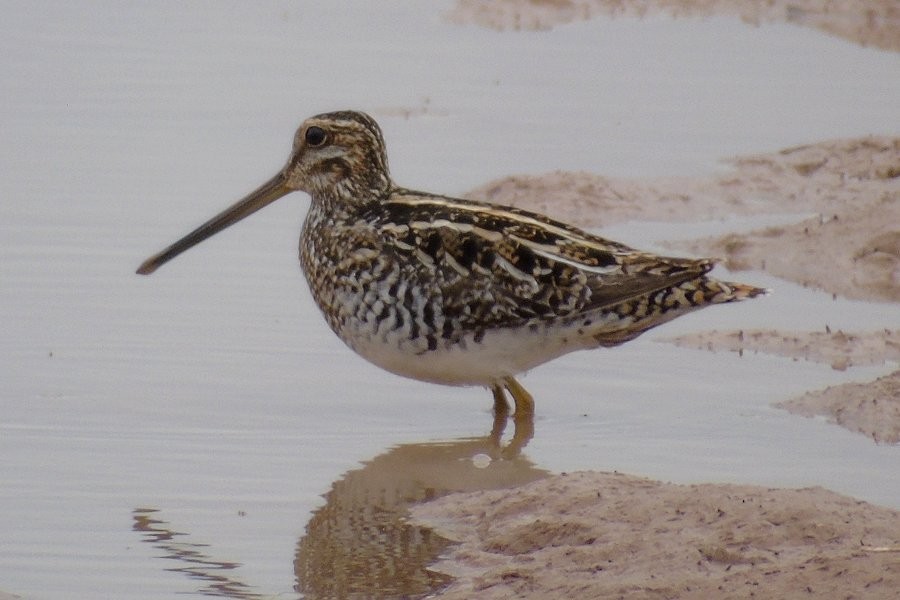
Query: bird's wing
x=504, y=265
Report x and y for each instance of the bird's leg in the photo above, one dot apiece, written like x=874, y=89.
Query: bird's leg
x=524, y=401
x=501, y=413
x=500, y=403
x=523, y=418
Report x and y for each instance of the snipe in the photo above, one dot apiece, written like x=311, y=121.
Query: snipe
x=456, y=291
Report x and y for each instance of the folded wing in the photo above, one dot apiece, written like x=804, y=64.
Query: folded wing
x=497, y=267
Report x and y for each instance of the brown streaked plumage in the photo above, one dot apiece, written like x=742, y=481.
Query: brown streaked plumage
x=456, y=291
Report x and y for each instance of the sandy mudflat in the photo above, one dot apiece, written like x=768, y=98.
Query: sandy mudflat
x=872, y=23
x=602, y=535
x=872, y=408
x=609, y=535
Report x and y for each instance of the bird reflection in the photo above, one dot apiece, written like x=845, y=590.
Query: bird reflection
x=191, y=557
x=361, y=544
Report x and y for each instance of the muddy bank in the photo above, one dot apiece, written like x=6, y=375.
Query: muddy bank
x=871, y=408
x=839, y=349
x=609, y=535
x=874, y=23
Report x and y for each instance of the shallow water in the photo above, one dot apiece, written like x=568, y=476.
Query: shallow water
x=175, y=434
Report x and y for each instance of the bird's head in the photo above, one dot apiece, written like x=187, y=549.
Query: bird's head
x=338, y=154
x=338, y=158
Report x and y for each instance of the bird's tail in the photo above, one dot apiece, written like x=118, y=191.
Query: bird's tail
x=650, y=310
x=714, y=291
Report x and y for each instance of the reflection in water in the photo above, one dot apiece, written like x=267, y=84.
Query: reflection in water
x=360, y=545
x=197, y=564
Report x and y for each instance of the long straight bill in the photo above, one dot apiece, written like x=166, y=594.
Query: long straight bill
x=267, y=193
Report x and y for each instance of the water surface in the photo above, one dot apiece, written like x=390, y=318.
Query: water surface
x=175, y=434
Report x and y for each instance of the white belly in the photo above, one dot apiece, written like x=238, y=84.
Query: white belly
x=500, y=354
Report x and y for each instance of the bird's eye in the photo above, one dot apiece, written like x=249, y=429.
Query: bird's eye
x=316, y=136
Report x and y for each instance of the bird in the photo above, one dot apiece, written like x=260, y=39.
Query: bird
x=455, y=291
